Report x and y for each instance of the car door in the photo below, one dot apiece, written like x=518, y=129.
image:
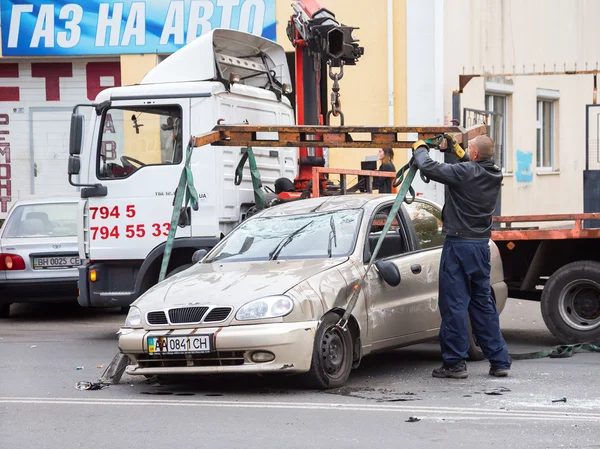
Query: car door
x=405, y=313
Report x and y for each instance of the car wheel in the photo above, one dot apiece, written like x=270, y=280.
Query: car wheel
x=475, y=353
x=178, y=270
x=332, y=355
x=571, y=303
x=4, y=310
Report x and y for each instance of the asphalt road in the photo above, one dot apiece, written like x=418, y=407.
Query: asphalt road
x=42, y=346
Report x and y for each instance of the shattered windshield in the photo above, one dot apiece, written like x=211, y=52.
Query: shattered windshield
x=319, y=235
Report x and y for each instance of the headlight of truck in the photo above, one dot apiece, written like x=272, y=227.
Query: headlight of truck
x=269, y=307
x=134, y=317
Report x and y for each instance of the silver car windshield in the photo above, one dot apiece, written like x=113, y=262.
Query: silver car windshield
x=42, y=220
x=310, y=236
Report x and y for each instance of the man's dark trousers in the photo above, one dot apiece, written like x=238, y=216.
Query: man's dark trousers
x=464, y=284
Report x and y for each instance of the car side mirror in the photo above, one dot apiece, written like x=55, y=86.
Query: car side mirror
x=74, y=165
x=389, y=272
x=199, y=255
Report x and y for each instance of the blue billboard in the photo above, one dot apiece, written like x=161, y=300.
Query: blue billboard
x=100, y=27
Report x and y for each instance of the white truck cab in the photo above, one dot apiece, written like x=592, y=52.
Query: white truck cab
x=128, y=149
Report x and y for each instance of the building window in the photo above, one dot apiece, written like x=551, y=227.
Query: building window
x=498, y=103
x=545, y=134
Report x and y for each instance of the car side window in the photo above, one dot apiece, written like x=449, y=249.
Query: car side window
x=427, y=221
x=394, y=242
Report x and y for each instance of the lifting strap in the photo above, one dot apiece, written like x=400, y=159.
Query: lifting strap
x=557, y=352
x=259, y=195
x=410, y=170
x=185, y=187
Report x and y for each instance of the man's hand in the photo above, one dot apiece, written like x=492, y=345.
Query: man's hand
x=454, y=147
x=419, y=144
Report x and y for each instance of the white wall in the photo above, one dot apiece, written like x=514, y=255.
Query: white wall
x=493, y=36
x=425, y=76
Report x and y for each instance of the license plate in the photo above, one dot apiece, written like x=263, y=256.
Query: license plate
x=56, y=262
x=189, y=344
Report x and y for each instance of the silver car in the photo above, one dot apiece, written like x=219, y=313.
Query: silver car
x=268, y=297
x=38, y=252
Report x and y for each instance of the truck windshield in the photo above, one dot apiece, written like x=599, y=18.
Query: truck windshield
x=132, y=138
x=309, y=236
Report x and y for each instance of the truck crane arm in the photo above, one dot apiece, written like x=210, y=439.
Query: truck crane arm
x=317, y=38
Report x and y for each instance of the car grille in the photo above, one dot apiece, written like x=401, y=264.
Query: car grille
x=221, y=358
x=187, y=315
x=218, y=314
x=157, y=318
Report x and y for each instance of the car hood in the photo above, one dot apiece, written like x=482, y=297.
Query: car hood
x=233, y=284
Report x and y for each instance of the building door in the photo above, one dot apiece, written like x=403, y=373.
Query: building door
x=50, y=129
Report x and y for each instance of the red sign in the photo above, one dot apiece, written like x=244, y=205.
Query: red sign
x=56, y=73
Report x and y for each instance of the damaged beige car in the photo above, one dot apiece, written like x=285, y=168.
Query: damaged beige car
x=268, y=297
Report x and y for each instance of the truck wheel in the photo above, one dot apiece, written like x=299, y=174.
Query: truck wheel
x=332, y=355
x=571, y=303
x=178, y=270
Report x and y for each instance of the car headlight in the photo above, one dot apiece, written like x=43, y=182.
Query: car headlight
x=134, y=317
x=269, y=307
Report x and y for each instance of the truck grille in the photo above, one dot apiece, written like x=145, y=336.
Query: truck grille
x=221, y=358
x=157, y=318
x=218, y=314
x=185, y=315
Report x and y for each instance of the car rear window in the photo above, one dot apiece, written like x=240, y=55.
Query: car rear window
x=42, y=220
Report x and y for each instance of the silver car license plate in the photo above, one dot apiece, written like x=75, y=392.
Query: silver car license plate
x=188, y=344
x=56, y=262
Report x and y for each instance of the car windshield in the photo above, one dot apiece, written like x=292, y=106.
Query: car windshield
x=42, y=220
x=318, y=235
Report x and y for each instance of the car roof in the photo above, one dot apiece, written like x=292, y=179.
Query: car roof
x=327, y=204
x=47, y=200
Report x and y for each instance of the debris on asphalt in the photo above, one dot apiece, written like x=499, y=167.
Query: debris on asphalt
x=114, y=371
x=563, y=399
x=497, y=391
x=413, y=419
x=84, y=385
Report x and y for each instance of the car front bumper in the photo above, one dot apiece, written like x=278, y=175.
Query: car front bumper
x=291, y=343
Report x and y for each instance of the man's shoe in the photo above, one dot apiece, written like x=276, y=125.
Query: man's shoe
x=499, y=372
x=458, y=371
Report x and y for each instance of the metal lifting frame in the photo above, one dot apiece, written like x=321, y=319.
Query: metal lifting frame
x=329, y=136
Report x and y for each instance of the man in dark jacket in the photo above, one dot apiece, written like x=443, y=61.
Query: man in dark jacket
x=473, y=186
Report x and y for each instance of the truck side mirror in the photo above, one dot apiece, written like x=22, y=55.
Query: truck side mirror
x=76, y=136
x=74, y=165
x=389, y=272
x=199, y=255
